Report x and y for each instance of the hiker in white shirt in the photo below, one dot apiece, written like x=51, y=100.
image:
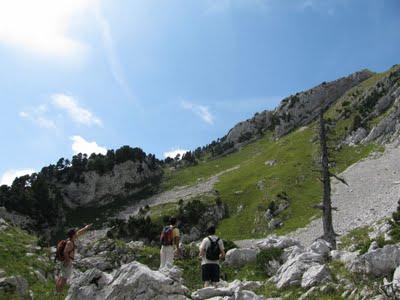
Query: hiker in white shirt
x=211, y=251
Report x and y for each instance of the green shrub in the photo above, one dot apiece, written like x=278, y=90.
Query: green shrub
x=265, y=256
x=229, y=245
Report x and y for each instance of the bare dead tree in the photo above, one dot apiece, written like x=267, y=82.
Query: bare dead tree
x=326, y=206
x=329, y=233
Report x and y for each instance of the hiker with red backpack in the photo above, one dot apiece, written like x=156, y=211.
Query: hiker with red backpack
x=211, y=251
x=65, y=254
x=169, y=240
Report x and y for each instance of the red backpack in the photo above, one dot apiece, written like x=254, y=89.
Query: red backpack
x=60, y=250
x=167, y=237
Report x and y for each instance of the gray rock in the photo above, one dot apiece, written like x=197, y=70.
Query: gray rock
x=210, y=292
x=2, y=273
x=99, y=262
x=315, y=275
x=343, y=256
x=3, y=224
x=291, y=272
x=321, y=246
x=280, y=242
x=14, y=284
x=378, y=262
x=270, y=163
x=96, y=189
x=373, y=246
x=272, y=267
x=239, y=257
x=356, y=137
x=396, y=281
x=173, y=272
x=194, y=234
x=236, y=290
x=40, y=276
x=247, y=295
x=308, y=294
x=131, y=281
x=135, y=245
x=275, y=223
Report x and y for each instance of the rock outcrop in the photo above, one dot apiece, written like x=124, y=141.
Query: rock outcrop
x=377, y=262
x=297, y=110
x=131, y=281
x=309, y=261
x=97, y=189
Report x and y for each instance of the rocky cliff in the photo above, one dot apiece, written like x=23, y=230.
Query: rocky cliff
x=296, y=110
x=97, y=189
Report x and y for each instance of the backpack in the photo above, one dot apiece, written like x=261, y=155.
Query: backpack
x=213, y=251
x=60, y=250
x=167, y=238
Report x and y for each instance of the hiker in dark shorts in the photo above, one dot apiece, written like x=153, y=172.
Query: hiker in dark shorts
x=211, y=251
x=65, y=254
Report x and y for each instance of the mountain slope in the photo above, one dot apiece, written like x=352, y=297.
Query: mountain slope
x=270, y=168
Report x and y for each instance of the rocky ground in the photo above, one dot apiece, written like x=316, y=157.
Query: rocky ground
x=372, y=193
x=174, y=195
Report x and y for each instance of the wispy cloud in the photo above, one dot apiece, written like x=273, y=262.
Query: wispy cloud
x=37, y=116
x=9, y=175
x=43, y=26
x=200, y=110
x=112, y=57
x=77, y=113
x=324, y=7
x=222, y=6
x=174, y=152
x=80, y=145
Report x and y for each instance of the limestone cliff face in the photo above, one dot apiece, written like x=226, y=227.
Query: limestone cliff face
x=97, y=190
x=387, y=106
x=296, y=110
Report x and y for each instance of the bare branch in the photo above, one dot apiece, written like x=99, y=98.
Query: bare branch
x=339, y=178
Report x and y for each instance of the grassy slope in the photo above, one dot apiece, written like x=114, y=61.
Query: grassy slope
x=14, y=244
x=295, y=155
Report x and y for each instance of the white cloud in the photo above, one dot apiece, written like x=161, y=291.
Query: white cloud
x=36, y=116
x=80, y=145
x=200, y=110
x=9, y=176
x=77, y=113
x=112, y=57
x=43, y=26
x=173, y=153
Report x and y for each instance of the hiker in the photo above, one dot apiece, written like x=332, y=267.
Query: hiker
x=169, y=244
x=211, y=251
x=65, y=254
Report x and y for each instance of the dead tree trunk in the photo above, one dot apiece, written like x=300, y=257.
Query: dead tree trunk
x=329, y=233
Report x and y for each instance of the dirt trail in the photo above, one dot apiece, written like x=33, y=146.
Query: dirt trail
x=174, y=195
x=372, y=194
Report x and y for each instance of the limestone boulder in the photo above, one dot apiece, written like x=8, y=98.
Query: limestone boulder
x=130, y=281
x=378, y=262
x=315, y=275
x=239, y=257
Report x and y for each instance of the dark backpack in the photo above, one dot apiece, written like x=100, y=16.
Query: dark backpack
x=166, y=238
x=213, y=251
x=60, y=250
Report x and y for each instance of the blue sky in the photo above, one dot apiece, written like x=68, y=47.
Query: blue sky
x=165, y=75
